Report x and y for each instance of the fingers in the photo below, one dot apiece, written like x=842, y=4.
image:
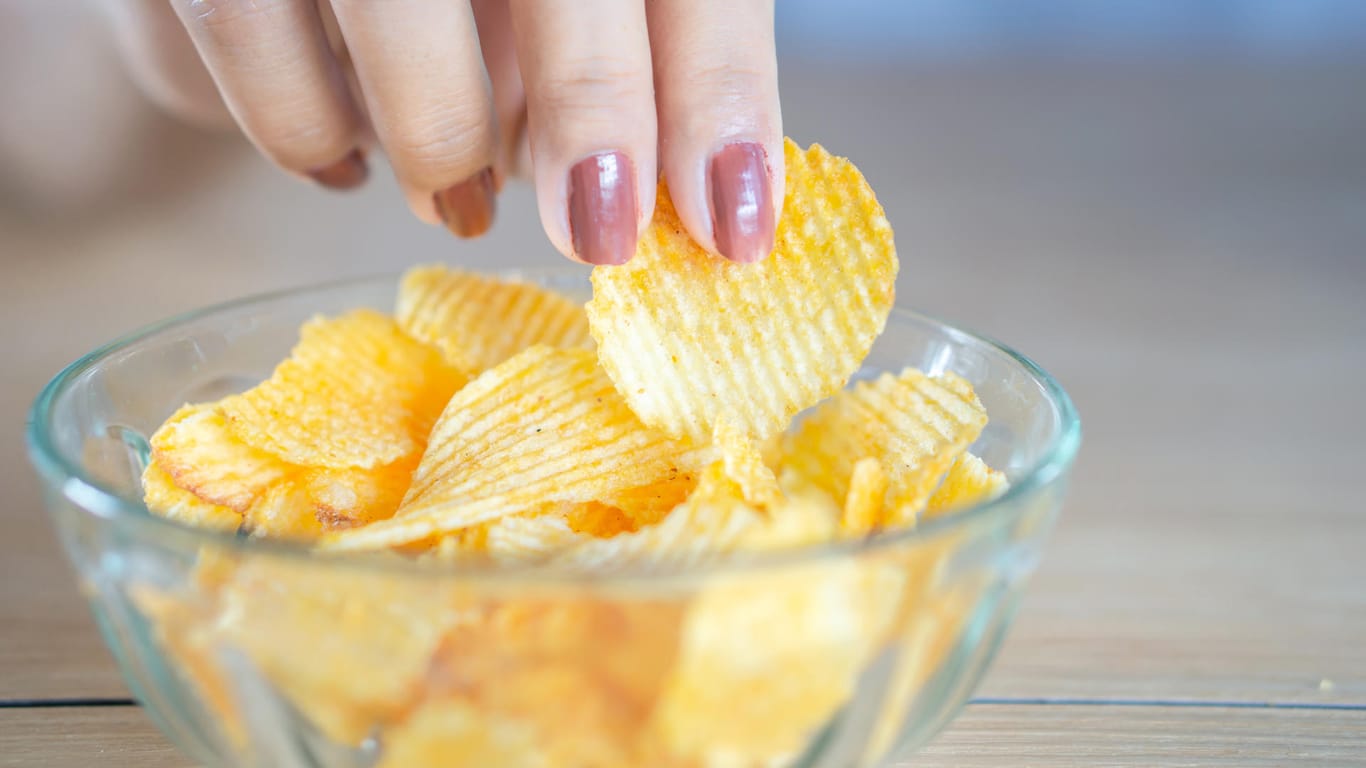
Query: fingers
x=163, y=60
x=591, y=121
x=494, y=20
x=719, y=121
x=271, y=62
x=419, y=65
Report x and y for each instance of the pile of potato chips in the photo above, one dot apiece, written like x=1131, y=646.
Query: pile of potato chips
x=496, y=422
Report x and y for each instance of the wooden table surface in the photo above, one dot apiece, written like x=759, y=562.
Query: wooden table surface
x=1182, y=244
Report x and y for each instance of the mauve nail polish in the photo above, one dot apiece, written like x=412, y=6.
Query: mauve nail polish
x=347, y=173
x=742, y=202
x=602, y=208
x=467, y=208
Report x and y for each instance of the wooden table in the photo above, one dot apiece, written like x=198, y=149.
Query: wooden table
x=1184, y=245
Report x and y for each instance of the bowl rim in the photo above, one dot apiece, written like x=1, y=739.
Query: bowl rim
x=92, y=496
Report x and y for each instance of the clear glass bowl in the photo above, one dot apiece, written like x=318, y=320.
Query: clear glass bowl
x=249, y=652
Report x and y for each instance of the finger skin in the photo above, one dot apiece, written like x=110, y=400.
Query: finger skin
x=164, y=62
x=591, y=122
x=271, y=62
x=720, y=123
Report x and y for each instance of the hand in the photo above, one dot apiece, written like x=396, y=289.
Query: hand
x=604, y=94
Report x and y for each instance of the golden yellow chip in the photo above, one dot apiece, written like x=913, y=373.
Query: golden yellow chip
x=867, y=491
x=648, y=504
x=348, y=647
x=165, y=498
x=915, y=425
x=597, y=519
x=689, y=337
x=478, y=322
x=969, y=481
x=531, y=538
x=712, y=522
x=355, y=392
x=807, y=516
x=768, y=657
x=743, y=459
x=546, y=426
x=196, y=448
x=449, y=732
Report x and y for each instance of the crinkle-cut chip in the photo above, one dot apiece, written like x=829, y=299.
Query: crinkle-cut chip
x=648, y=504
x=449, y=732
x=163, y=497
x=916, y=425
x=689, y=337
x=597, y=519
x=531, y=538
x=867, y=491
x=347, y=498
x=478, y=322
x=808, y=516
x=712, y=522
x=583, y=670
x=768, y=657
x=545, y=426
x=355, y=392
x=196, y=448
x=969, y=481
x=743, y=459
x=349, y=648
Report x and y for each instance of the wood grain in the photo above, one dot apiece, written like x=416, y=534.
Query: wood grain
x=984, y=735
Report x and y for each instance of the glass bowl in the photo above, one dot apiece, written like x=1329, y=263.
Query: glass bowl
x=263, y=653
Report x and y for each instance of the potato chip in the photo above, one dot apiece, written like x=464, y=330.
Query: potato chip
x=165, y=498
x=648, y=504
x=969, y=481
x=348, y=647
x=355, y=392
x=531, y=538
x=196, y=448
x=743, y=459
x=689, y=337
x=807, y=516
x=713, y=521
x=545, y=426
x=478, y=322
x=767, y=658
x=914, y=424
x=449, y=732
x=867, y=491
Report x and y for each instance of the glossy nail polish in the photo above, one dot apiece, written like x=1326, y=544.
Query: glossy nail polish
x=602, y=208
x=348, y=173
x=742, y=202
x=467, y=208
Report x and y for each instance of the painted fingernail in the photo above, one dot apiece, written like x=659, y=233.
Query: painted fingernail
x=467, y=208
x=347, y=173
x=742, y=202
x=602, y=208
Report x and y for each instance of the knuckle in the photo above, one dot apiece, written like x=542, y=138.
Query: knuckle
x=451, y=140
x=590, y=85
x=728, y=81
x=216, y=15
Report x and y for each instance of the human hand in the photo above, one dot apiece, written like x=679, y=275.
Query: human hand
x=592, y=98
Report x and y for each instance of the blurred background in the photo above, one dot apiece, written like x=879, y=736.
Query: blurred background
x=1163, y=201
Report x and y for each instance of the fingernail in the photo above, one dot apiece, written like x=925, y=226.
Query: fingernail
x=347, y=173
x=467, y=208
x=602, y=208
x=742, y=202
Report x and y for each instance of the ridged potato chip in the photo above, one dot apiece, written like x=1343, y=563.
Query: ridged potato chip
x=914, y=424
x=969, y=481
x=196, y=448
x=712, y=522
x=450, y=732
x=689, y=337
x=768, y=657
x=355, y=392
x=348, y=647
x=545, y=426
x=743, y=459
x=867, y=492
x=165, y=498
x=531, y=538
x=478, y=322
